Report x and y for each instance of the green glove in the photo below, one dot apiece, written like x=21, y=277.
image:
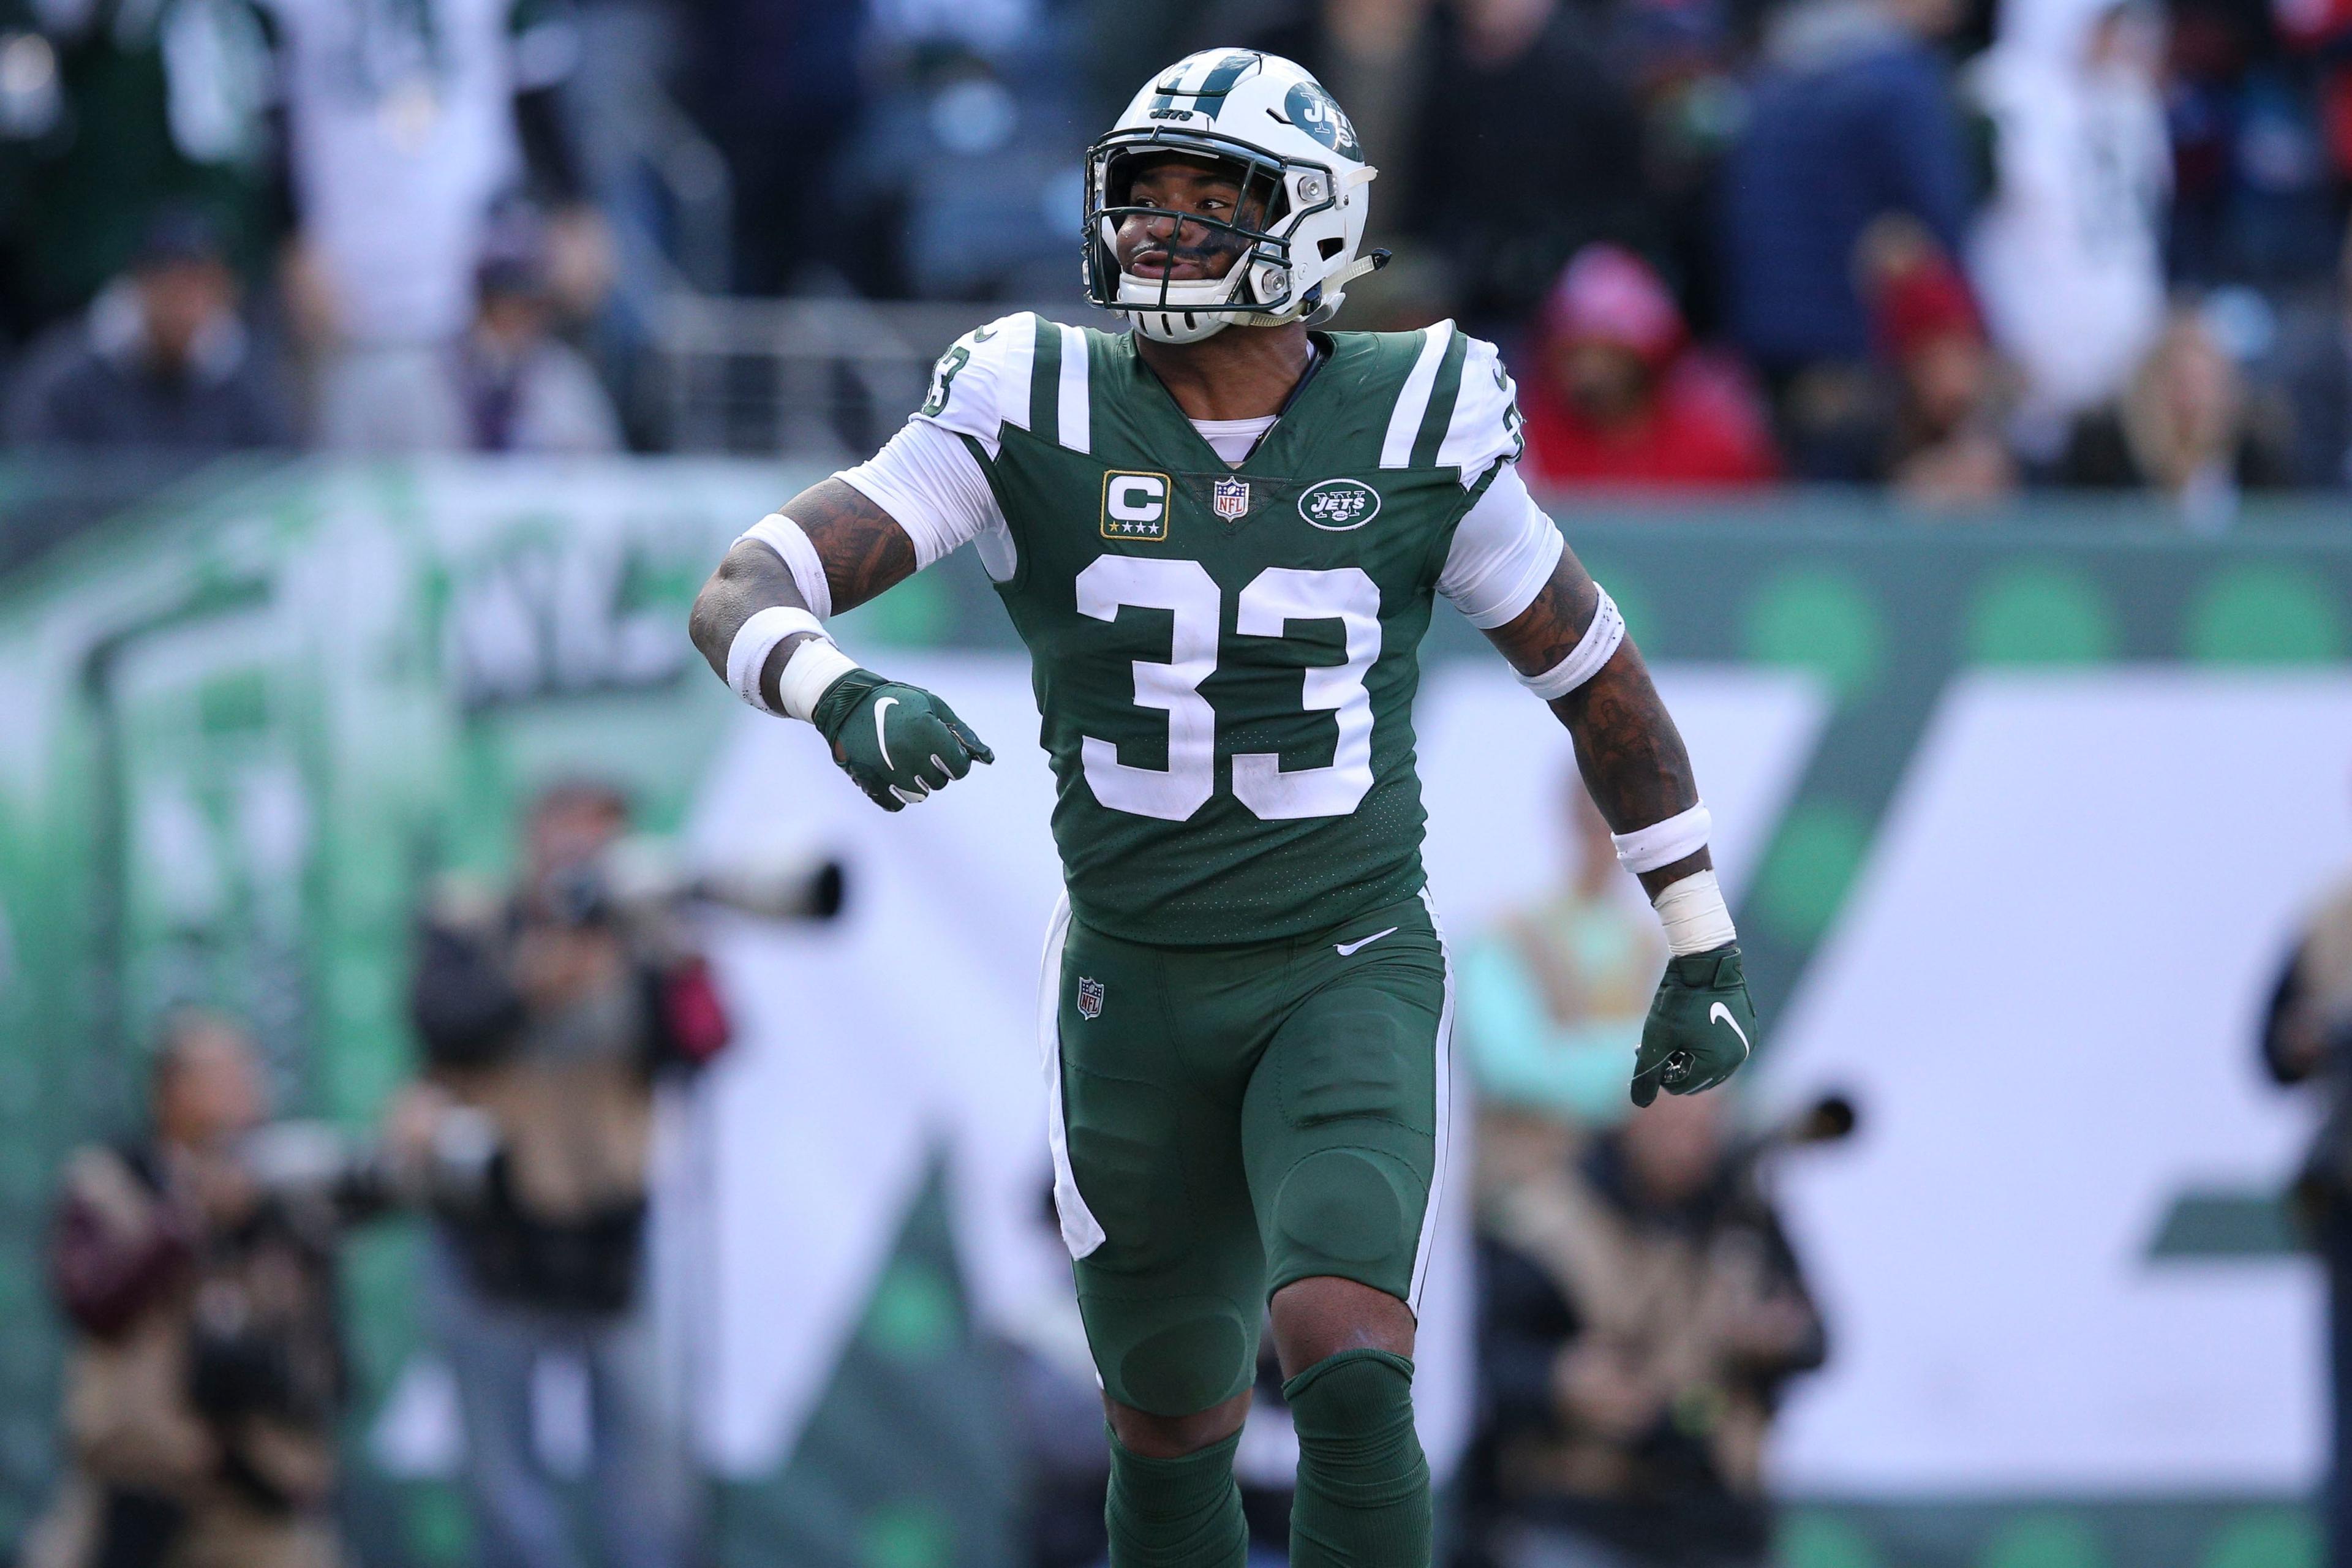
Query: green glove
x=899, y=742
x=1701, y=1027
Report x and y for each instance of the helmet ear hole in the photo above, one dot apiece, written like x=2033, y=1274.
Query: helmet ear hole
x=1330, y=245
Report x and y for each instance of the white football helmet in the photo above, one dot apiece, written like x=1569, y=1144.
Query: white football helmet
x=1294, y=153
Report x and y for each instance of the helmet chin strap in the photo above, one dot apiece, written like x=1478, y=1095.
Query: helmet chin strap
x=1361, y=266
x=1172, y=323
x=1176, y=325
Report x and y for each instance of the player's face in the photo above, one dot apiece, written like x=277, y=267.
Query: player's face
x=1161, y=244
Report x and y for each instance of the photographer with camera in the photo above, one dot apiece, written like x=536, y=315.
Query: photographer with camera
x=2307, y=1038
x=1641, y=1311
x=196, y=1266
x=550, y=1014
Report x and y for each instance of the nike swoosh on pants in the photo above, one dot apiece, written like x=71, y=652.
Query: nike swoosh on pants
x=1348, y=949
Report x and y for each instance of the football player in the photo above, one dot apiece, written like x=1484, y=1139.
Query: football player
x=1221, y=535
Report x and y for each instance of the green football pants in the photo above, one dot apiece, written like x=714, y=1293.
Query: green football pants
x=1225, y=1120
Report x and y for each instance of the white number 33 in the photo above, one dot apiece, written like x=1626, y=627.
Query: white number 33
x=1273, y=598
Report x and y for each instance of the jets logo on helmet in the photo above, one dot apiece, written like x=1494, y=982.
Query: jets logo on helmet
x=1296, y=227
x=1318, y=113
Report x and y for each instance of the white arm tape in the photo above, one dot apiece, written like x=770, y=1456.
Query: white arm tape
x=1663, y=842
x=1694, y=914
x=755, y=639
x=783, y=535
x=1584, y=661
x=809, y=674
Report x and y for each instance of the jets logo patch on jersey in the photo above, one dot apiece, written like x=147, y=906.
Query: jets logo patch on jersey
x=1230, y=498
x=1339, y=505
x=1135, y=506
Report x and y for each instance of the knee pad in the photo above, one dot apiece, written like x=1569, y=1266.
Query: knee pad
x=1172, y=1355
x=1341, y=1211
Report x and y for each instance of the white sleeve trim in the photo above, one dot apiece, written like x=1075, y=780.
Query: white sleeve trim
x=1663, y=842
x=1592, y=650
x=783, y=535
x=932, y=486
x=1503, y=553
x=1485, y=428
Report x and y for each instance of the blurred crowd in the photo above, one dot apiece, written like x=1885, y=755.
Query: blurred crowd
x=197, y=1259
x=1959, y=247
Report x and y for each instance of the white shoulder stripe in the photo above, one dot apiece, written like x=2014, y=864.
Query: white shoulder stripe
x=1020, y=360
x=1412, y=402
x=1480, y=409
x=1071, y=404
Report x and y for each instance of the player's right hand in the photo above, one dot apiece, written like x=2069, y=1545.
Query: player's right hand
x=899, y=742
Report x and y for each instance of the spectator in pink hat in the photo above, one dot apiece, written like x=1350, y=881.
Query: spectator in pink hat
x=1616, y=394
x=1949, y=390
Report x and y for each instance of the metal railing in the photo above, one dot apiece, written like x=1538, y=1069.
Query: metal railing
x=822, y=379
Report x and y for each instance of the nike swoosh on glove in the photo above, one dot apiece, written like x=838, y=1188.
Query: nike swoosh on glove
x=1701, y=1027
x=896, y=741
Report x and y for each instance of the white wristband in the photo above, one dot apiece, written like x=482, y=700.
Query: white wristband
x=755, y=639
x=1584, y=661
x=783, y=535
x=809, y=674
x=1663, y=842
x=1694, y=914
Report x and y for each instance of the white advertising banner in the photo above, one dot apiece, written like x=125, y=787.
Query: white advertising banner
x=2043, y=991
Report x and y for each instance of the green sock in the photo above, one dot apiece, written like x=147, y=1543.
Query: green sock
x=1363, y=1485
x=1176, y=1513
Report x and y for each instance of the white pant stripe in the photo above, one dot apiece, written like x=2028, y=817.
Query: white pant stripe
x=1081, y=1232
x=1445, y=1091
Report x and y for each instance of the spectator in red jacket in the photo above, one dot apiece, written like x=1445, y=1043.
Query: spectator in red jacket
x=1944, y=444
x=1617, y=395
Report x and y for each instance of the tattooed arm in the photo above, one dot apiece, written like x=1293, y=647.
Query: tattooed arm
x=864, y=550
x=1702, y=1024
x=897, y=743
x=1627, y=747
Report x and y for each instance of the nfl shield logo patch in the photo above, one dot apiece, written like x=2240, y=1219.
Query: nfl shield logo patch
x=1230, y=497
x=1090, y=998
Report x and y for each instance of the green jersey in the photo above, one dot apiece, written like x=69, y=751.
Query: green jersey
x=1225, y=655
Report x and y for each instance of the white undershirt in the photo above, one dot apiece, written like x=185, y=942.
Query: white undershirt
x=1231, y=439
x=928, y=480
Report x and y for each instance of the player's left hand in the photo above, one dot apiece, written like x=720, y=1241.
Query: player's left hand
x=896, y=743
x=1701, y=1027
